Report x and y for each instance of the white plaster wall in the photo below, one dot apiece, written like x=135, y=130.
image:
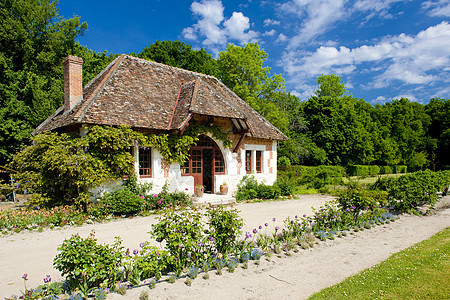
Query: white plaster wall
x=181, y=183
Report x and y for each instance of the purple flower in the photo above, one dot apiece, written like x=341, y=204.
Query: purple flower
x=200, y=244
x=304, y=216
x=352, y=207
x=248, y=235
x=47, y=279
x=142, y=244
x=296, y=216
x=25, y=192
x=339, y=213
x=260, y=227
x=273, y=220
x=34, y=144
x=127, y=253
x=17, y=186
x=347, y=210
x=24, y=277
x=211, y=238
x=292, y=222
x=239, y=227
x=135, y=251
x=276, y=228
x=255, y=231
x=267, y=224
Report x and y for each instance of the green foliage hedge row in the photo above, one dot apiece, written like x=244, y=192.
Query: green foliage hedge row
x=408, y=191
x=313, y=177
x=367, y=170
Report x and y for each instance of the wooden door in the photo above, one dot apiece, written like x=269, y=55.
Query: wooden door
x=197, y=166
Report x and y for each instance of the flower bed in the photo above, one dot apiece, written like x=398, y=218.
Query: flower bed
x=193, y=247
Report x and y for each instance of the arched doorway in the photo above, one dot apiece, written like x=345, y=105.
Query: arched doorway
x=205, y=161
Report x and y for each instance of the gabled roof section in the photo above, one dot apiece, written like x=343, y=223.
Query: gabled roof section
x=143, y=94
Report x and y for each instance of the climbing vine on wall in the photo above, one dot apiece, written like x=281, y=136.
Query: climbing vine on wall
x=59, y=168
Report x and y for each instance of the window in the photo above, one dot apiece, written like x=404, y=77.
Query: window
x=248, y=161
x=258, y=161
x=196, y=161
x=145, y=162
x=219, y=165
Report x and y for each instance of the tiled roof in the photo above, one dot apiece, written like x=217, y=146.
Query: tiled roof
x=144, y=94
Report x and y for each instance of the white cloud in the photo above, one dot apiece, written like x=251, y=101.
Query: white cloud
x=269, y=22
x=236, y=28
x=378, y=8
x=318, y=16
x=281, y=38
x=270, y=33
x=418, y=59
x=214, y=28
x=439, y=8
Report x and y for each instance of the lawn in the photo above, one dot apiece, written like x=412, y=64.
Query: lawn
x=419, y=272
x=369, y=180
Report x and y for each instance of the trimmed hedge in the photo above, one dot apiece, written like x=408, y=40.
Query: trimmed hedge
x=370, y=170
x=314, y=177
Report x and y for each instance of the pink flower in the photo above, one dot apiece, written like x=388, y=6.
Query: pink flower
x=155, y=195
x=162, y=199
x=142, y=197
x=186, y=189
x=159, y=202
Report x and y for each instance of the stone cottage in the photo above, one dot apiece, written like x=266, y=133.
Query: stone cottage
x=154, y=98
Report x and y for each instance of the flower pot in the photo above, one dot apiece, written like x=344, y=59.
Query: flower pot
x=223, y=189
x=198, y=191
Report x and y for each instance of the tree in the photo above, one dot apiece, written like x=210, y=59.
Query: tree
x=439, y=131
x=337, y=123
x=180, y=55
x=404, y=124
x=33, y=42
x=242, y=70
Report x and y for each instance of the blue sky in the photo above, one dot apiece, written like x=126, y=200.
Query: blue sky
x=382, y=49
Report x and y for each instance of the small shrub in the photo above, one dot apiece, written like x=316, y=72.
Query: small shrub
x=285, y=187
x=136, y=187
x=386, y=170
x=123, y=202
x=224, y=228
x=358, y=170
x=87, y=264
x=193, y=272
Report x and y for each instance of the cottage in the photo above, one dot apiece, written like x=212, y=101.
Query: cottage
x=152, y=98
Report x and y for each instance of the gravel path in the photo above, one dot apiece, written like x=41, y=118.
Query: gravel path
x=294, y=277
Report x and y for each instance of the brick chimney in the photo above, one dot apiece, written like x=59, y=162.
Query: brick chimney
x=73, y=80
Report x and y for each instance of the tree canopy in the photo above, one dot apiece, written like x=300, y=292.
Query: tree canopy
x=331, y=127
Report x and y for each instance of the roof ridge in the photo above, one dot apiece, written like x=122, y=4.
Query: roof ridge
x=170, y=67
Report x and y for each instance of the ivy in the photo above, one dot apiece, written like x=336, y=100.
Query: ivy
x=59, y=168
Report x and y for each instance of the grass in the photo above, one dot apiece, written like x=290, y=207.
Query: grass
x=369, y=179
x=419, y=272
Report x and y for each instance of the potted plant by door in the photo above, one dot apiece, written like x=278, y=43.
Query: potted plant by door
x=199, y=190
x=223, y=188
